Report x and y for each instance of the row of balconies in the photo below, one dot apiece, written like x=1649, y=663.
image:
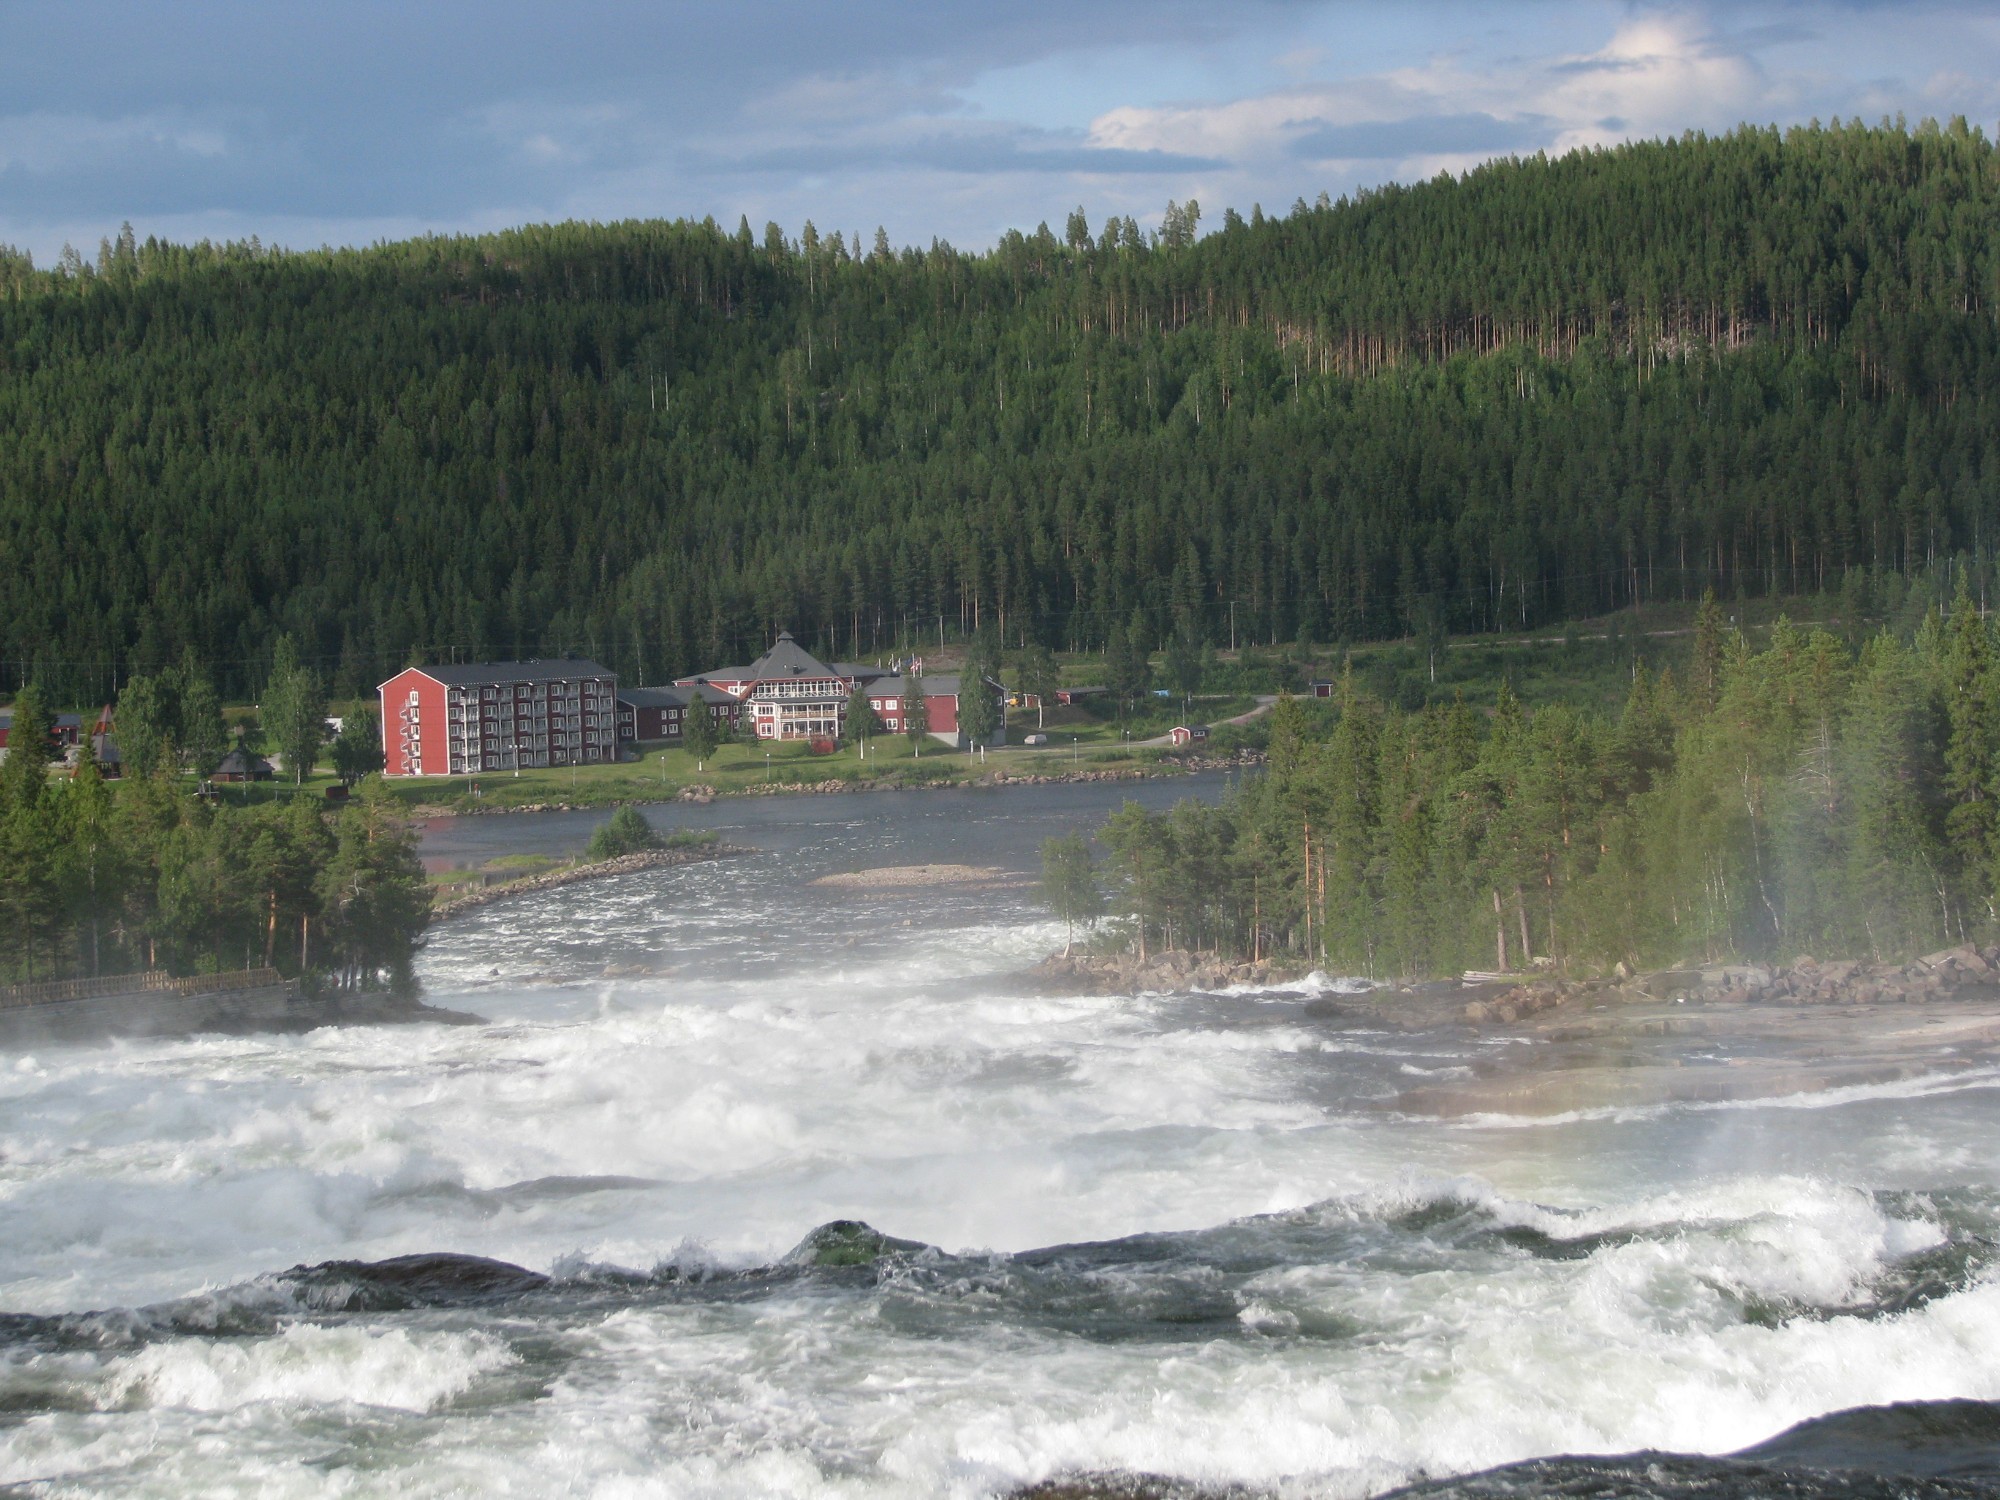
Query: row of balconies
x=570, y=720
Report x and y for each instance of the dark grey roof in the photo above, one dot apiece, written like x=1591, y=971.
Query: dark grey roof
x=708, y=692
x=478, y=673
x=787, y=659
x=58, y=721
x=936, y=685
x=656, y=697
x=239, y=762
x=860, y=672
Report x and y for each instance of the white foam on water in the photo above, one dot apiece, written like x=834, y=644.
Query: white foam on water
x=847, y=1066
x=308, y=1365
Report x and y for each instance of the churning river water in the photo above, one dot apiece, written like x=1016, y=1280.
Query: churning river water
x=1184, y=1235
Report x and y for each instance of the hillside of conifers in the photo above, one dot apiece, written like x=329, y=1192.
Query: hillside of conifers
x=1551, y=388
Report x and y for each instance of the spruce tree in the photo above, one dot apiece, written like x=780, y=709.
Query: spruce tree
x=1185, y=663
x=1968, y=688
x=31, y=840
x=1705, y=666
x=1895, y=858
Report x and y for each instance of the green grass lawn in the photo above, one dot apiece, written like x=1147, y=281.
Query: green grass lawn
x=745, y=768
x=662, y=774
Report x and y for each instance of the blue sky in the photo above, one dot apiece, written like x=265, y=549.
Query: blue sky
x=354, y=120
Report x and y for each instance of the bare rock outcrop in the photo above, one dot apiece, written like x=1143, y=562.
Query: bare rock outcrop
x=1173, y=969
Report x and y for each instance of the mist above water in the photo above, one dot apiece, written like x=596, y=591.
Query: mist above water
x=1196, y=1235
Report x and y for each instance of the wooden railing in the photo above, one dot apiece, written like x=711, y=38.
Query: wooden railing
x=54, y=991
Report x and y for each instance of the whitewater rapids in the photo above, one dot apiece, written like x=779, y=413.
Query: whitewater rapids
x=1187, y=1235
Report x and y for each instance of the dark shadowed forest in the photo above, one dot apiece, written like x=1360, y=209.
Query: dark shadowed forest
x=1550, y=388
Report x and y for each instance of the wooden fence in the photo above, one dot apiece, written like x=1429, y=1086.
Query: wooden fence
x=55, y=991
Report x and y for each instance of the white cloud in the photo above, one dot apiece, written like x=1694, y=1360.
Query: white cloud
x=44, y=141
x=1658, y=74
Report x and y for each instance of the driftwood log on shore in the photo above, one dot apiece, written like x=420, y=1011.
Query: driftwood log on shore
x=626, y=864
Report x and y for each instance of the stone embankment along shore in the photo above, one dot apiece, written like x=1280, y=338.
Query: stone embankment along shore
x=1943, y=975
x=702, y=793
x=625, y=864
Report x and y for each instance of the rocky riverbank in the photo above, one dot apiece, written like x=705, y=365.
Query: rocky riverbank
x=626, y=864
x=1174, y=969
x=1965, y=971
x=1624, y=1041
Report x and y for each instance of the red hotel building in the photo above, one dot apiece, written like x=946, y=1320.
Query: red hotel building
x=790, y=694
x=499, y=716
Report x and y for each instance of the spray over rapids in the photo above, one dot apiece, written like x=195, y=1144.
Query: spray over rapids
x=827, y=1204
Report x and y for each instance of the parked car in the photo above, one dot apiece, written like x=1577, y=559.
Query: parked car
x=1035, y=739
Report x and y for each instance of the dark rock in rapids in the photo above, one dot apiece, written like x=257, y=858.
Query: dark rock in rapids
x=848, y=1242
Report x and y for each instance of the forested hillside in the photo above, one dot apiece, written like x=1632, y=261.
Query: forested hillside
x=1547, y=389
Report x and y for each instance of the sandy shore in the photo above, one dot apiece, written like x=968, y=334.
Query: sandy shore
x=920, y=877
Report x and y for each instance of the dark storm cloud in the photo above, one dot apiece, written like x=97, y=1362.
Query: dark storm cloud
x=433, y=110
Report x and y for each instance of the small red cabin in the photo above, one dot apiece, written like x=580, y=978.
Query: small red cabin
x=1188, y=734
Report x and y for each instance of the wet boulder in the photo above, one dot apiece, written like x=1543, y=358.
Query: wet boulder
x=849, y=1242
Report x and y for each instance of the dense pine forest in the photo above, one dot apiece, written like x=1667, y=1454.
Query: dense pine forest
x=1549, y=388
x=93, y=883
x=1812, y=797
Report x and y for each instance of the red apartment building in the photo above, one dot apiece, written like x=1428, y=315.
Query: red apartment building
x=499, y=716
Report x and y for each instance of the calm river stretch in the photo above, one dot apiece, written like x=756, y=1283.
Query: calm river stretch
x=1184, y=1235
